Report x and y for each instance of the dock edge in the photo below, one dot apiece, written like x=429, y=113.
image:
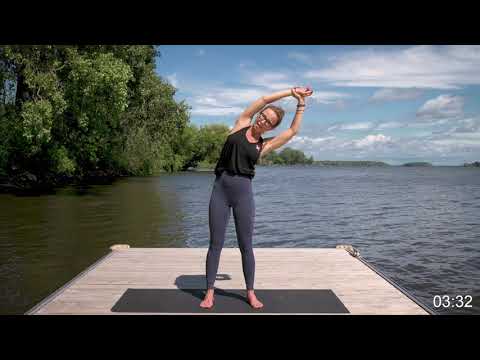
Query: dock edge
x=119, y=247
x=56, y=293
x=356, y=254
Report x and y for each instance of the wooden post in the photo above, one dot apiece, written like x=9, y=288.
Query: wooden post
x=350, y=249
x=119, y=247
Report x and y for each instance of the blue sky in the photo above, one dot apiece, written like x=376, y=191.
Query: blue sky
x=387, y=103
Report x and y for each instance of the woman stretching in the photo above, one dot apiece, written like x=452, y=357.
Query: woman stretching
x=232, y=187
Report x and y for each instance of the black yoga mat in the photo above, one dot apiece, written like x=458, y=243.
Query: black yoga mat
x=229, y=301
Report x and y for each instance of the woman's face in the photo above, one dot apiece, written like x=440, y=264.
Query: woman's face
x=266, y=120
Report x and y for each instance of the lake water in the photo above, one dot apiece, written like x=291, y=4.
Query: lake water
x=420, y=226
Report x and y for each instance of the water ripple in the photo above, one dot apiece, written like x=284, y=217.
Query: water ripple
x=418, y=226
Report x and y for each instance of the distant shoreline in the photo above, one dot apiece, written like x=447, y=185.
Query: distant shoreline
x=333, y=163
x=29, y=184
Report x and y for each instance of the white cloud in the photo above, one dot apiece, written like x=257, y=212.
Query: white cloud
x=372, y=140
x=270, y=80
x=223, y=101
x=441, y=107
x=389, y=125
x=228, y=96
x=216, y=111
x=207, y=101
x=450, y=148
x=281, y=81
x=425, y=66
x=200, y=52
x=358, y=126
x=464, y=52
x=328, y=97
x=468, y=125
x=389, y=94
x=352, y=126
x=237, y=96
x=275, y=81
x=172, y=78
x=427, y=123
x=460, y=142
x=334, y=143
x=465, y=137
x=306, y=140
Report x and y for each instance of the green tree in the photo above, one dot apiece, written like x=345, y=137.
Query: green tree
x=210, y=141
x=97, y=95
x=287, y=156
x=188, y=147
x=155, y=123
x=70, y=110
x=292, y=156
x=200, y=146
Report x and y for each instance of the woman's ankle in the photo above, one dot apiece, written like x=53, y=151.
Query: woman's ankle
x=210, y=292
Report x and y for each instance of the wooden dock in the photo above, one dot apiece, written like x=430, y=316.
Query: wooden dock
x=360, y=287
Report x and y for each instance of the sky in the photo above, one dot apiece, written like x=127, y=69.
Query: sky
x=395, y=104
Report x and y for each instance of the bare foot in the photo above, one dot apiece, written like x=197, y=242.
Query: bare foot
x=207, y=302
x=253, y=301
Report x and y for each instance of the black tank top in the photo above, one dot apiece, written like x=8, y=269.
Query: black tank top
x=239, y=156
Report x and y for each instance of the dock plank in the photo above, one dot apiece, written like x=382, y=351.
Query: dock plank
x=361, y=289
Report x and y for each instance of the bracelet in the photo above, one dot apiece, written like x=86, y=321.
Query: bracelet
x=300, y=106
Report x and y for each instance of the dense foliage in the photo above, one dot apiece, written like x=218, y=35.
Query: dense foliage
x=287, y=156
x=73, y=112
x=76, y=110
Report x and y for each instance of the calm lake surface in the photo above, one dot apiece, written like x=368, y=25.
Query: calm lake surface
x=420, y=226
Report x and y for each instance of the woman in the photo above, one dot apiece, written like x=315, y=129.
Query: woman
x=233, y=183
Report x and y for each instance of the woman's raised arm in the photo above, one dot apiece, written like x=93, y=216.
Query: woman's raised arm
x=246, y=116
x=285, y=136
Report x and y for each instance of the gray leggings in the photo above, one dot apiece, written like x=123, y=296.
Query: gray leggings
x=231, y=191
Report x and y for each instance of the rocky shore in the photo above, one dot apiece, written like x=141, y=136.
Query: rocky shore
x=28, y=183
